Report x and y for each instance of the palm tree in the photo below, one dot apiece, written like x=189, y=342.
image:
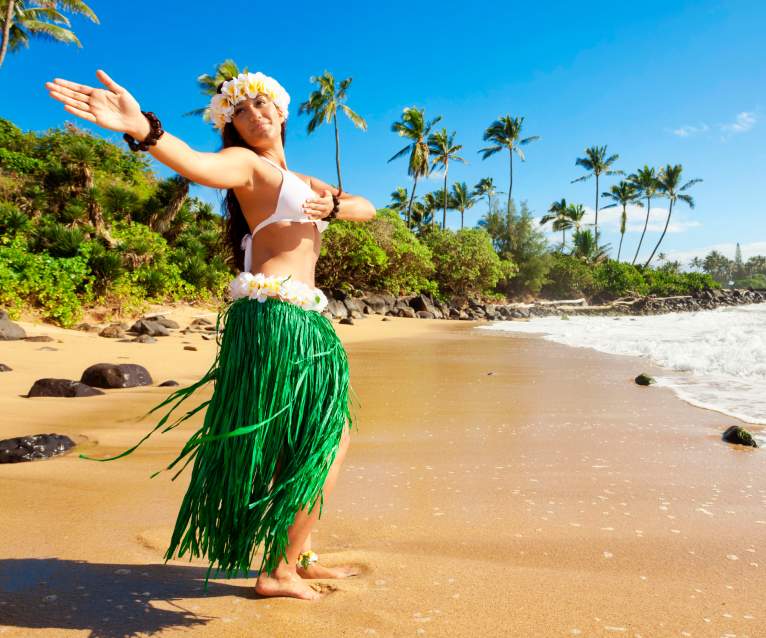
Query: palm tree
x=486, y=188
x=399, y=200
x=323, y=105
x=558, y=214
x=431, y=203
x=598, y=164
x=177, y=189
x=43, y=20
x=414, y=127
x=505, y=133
x=208, y=84
x=669, y=180
x=587, y=249
x=462, y=199
x=622, y=194
x=576, y=213
x=645, y=182
x=443, y=148
x=696, y=262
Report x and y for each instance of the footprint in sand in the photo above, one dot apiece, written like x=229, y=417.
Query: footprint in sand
x=323, y=588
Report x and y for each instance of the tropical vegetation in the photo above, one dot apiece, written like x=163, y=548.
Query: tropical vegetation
x=84, y=223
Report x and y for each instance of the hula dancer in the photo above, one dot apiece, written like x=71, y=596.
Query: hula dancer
x=275, y=431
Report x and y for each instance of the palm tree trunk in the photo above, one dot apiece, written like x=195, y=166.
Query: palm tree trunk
x=510, y=183
x=563, y=239
x=337, y=152
x=412, y=196
x=6, y=30
x=646, y=223
x=620, y=248
x=596, y=210
x=667, y=221
x=461, y=218
x=444, y=214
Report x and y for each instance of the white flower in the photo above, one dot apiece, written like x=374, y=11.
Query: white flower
x=260, y=287
x=242, y=87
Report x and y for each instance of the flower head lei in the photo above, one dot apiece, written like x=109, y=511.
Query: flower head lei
x=243, y=87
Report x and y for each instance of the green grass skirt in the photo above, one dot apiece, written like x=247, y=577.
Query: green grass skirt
x=281, y=389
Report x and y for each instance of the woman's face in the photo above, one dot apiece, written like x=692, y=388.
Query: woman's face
x=258, y=121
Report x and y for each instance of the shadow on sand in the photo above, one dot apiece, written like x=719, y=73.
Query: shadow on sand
x=109, y=600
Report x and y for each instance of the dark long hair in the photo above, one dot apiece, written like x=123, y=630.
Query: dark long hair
x=235, y=224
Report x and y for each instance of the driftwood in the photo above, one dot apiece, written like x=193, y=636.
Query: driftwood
x=563, y=302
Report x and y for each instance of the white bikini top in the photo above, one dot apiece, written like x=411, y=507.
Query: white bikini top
x=292, y=193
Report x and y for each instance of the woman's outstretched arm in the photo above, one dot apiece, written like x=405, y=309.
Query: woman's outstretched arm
x=114, y=108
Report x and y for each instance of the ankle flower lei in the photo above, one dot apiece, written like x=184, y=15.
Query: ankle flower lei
x=243, y=87
x=306, y=559
x=260, y=287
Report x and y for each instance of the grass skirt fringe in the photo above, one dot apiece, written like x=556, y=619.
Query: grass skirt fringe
x=281, y=390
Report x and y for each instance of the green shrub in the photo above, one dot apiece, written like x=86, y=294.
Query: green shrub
x=56, y=239
x=757, y=280
x=57, y=286
x=664, y=283
x=349, y=258
x=568, y=277
x=18, y=162
x=12, y=222
x=409, y=261
x=466, y=263
x=618, y=279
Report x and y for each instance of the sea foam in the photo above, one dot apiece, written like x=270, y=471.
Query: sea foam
x=719, y=355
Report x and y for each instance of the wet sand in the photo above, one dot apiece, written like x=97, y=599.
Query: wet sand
x=497, y=485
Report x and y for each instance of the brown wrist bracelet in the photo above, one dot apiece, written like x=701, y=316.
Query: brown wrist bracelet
x=155, y=132
x=335, y=208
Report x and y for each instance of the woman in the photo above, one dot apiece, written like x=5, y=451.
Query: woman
x=274, y=434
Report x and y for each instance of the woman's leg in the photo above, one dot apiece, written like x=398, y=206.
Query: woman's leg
x=284, y=580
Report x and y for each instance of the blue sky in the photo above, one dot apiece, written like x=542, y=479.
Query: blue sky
x=658, y=82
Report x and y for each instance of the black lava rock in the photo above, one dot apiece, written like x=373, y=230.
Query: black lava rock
x=35, y=446
x=116, y=375
x=739, y=435
x=644, y=379
x=61, y=388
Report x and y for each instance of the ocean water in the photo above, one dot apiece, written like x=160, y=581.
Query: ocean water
x=718, y=356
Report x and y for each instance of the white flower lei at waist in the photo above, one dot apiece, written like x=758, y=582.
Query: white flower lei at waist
x=260, y=287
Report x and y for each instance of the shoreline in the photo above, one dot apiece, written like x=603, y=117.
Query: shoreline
x=498, y=483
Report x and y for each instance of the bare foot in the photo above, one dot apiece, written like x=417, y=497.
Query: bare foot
x=289, y=584
x=315, y=570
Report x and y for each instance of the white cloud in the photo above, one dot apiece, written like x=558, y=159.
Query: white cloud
x=609, y=219
x=688, y=130
x=743, y=123
x=728, y=249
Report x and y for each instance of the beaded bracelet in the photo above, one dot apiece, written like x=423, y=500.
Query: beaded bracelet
x=335, y=207
x=155, y=132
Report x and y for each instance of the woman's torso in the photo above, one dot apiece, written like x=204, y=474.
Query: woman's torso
x=282, y=247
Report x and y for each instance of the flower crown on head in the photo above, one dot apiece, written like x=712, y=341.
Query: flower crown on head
x=243, y=87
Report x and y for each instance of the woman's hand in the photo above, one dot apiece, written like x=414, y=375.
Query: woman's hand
x=319, y=207
x=112, y=108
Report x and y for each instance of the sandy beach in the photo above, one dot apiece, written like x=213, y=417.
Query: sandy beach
x=497, y=485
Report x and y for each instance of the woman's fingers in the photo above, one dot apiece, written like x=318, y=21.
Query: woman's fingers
x=108, y=82
x=80, y=88
x=56, y=90
x=78, y=104
x=80, y=113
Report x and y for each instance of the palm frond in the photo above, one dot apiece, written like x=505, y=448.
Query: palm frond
x=74, y=6
x=489, y=151
x=48, y=31
x=357, y=119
